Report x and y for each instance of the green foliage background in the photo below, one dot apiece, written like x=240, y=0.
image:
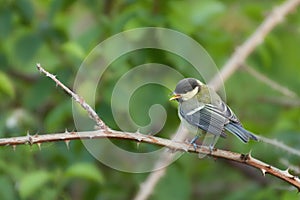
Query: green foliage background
x=59, y=34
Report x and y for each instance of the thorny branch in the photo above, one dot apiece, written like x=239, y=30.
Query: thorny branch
x=92, y=114
x=105, y=132
x=233, y=63
x=138, y=137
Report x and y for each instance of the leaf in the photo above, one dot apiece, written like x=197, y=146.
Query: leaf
x=58, y=116
x=27, y=46
x=26, y=10
x=86, y=171
x=32, y=182
x=6, y=186
x=6, y=17
x=74, y=49
x=188, y=16
x=6, y=86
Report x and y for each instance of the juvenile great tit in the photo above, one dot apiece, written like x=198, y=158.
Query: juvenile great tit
x=200, y=107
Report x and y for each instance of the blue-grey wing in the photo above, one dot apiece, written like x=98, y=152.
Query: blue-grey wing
x=233, y=124
x=222, y=109
x=214, y=118
x=206, y=119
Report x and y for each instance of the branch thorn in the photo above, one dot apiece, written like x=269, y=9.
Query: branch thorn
x=29, y=138
x=39, y=145
x=263, y=171
x=67, y=144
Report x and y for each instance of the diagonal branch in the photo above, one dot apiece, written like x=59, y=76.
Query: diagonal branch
x=264, y=79
x=240, y=55
x=92, y=113
x=279, y=145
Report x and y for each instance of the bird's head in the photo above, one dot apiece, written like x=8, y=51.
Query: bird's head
x=186, y=89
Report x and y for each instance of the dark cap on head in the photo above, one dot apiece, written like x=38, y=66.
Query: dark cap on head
x=186, y=85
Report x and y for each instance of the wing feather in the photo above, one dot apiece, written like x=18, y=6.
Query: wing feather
x=214, y=118
x=206, y=119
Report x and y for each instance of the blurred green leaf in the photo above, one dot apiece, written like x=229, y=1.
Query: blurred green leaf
x=58, y=116
x=86, y=171
x=264, y=55
x=288, y=121
x=32, y=182
x=290, y=195
x=6, y=86
x=26, y=47
x=73, y=49
x=8, y=188
x=6, y=17
x=26, y=10
x=188, y=16
x=254, y=11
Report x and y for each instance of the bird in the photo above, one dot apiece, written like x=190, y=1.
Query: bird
x=201, y=109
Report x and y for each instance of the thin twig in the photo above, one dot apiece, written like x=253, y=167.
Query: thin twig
x=92, y=114
x=280, y=145
x=240, y=55
x=138, y=137
x=281, y=101
x=275, y=86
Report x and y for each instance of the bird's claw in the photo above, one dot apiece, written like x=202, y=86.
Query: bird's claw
x=194, y=145
x=193, y=142
x=211, y=148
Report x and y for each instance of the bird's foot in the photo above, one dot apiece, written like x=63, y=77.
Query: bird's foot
x=211, y=148
x=193, y=142
x=212, y=144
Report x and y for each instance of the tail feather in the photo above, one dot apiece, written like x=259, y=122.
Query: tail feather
x=240, y=132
